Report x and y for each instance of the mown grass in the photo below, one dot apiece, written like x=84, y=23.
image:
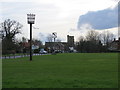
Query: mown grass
x=78, y=70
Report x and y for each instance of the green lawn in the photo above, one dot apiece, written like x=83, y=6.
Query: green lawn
x=78, y=70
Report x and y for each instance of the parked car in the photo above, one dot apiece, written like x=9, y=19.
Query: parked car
x=58, y=51
x=42, y=51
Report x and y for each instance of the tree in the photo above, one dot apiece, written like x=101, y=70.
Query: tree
x=8, y=29
x=106, y=37
x=37, y=42
x=49, y=38
x=95, y=42
x=79, y=44
x=92, y=36
x=91, y=42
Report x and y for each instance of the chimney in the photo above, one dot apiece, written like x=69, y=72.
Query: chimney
x=67, y=38
x=28, y=41
x=114, y=39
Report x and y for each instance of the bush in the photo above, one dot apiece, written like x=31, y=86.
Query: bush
x=36, y=51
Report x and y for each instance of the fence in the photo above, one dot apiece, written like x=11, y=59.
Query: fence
x=12, y=56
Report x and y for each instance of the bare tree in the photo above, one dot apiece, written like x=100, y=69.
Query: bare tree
x=37, y=41
x=90, y=43
x=81, y=38
x=92, y=35
x=106, y=37
x=79, y=44
x=95, y=42
x=9, y=28
x=49, y=38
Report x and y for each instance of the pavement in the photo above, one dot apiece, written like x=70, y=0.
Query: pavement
x=19, y=56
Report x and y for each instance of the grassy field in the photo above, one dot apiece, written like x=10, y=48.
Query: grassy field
x=84, y=70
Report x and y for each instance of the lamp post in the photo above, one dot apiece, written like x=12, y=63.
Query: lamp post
x=54, y=36
x=31, y=20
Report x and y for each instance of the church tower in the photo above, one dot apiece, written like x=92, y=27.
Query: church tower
x=70, y=41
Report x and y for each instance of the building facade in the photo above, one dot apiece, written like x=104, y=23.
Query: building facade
x=115, y=45
x=60, y=46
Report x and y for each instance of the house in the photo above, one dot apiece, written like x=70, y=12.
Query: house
x=60, y=46
x=25, y=46
x=115, y=45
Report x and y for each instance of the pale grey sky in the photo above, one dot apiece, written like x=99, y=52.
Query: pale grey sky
x=59, y=16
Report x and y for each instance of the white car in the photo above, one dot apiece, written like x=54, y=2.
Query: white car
x=42, y=51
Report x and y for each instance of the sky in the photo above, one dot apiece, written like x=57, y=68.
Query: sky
x=102, y=19
x=60, y=16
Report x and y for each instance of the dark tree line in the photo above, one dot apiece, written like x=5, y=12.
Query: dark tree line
x=94, y=42
x=8, y=30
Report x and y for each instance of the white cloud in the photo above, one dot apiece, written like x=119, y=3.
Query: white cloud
x=103, y=19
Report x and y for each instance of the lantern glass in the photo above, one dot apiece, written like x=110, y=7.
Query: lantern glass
x=31, y=18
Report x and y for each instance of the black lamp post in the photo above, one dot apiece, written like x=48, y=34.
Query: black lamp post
x=54, y=36
x=31, y=20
